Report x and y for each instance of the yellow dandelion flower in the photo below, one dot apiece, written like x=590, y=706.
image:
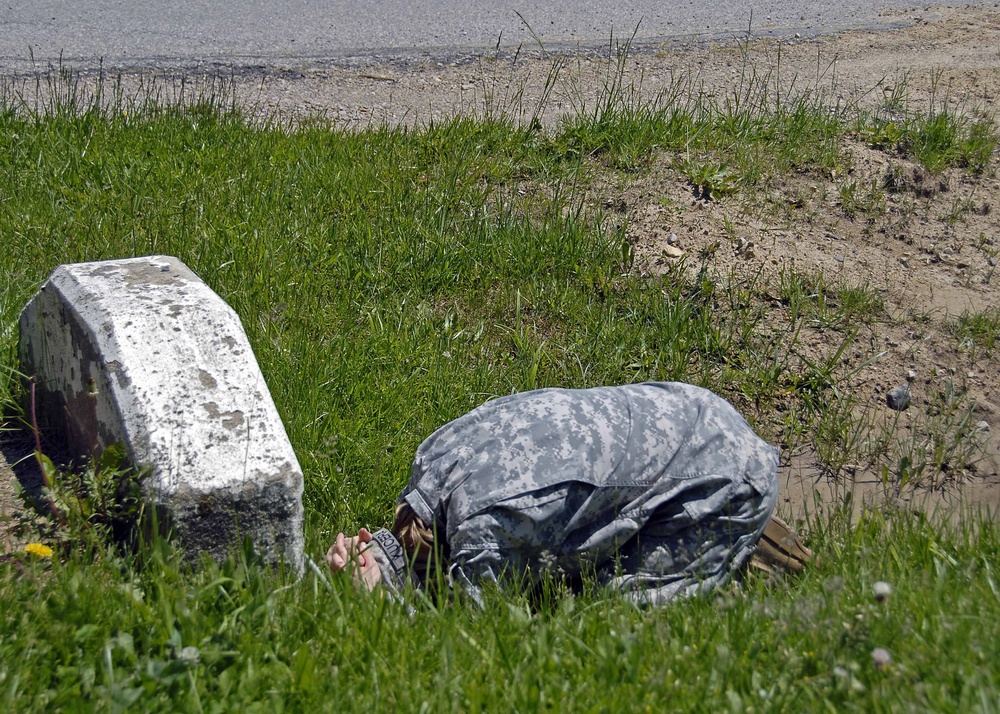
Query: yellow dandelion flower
x=39, y=550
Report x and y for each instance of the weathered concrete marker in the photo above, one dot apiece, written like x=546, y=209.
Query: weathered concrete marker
x=141, y=351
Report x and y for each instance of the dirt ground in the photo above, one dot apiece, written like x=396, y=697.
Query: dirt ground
x=931, y=253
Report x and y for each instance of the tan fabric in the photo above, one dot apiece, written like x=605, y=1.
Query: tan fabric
x=780, y=550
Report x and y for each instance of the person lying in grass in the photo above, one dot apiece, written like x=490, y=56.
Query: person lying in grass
x=660, y=490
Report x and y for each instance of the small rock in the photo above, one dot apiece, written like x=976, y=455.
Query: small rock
x=743, y=247
x=882, y=590
x=898, y=398
x=911, y=376
x=673, y=239
x=992, y=262
x=982, y=427
x=671, y=251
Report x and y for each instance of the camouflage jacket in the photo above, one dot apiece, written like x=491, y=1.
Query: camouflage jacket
x=562, y=480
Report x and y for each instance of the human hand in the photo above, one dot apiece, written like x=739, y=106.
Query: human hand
x=348, y=554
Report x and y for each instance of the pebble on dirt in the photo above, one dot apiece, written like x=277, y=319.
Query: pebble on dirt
x=898, y=398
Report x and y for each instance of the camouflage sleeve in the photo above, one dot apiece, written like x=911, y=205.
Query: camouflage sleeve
x=392, y=563
x=470, y=568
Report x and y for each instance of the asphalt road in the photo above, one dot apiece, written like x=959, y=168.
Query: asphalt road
x=288, y=33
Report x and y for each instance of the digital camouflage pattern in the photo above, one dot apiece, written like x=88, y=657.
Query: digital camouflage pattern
x=660, y=489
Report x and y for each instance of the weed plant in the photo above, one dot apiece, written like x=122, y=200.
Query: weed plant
x=390, y=280
x=937, y=139
x=978, y=330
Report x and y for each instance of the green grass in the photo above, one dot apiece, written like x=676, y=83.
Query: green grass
x=755, y=134
x=391, y=279
x=937, y=140
x=105, y=635
x=745, y=139
x=828, y=306
x=978, y=329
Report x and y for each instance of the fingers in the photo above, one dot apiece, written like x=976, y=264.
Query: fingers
x=370, y=575
x=349, y=554
x=330, y=553
x=345, y=550
x=337, y=556
x=363, y=539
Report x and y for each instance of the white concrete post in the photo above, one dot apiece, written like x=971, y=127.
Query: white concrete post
x=142, y=352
